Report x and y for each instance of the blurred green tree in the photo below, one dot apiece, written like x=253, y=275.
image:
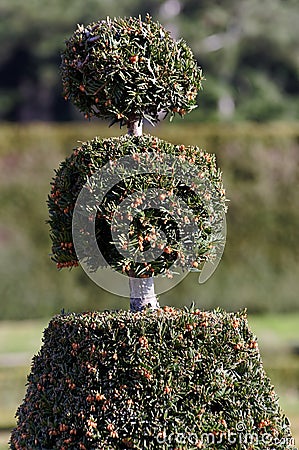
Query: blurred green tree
x=248, y=49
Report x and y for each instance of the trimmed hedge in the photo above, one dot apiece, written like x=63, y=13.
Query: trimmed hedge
x=166, y=379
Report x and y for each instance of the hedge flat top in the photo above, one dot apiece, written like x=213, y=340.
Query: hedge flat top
x=88, y=160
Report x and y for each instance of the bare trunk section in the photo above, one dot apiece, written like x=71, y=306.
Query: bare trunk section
x=142, y=290
x=135, y=127
x=142, y=294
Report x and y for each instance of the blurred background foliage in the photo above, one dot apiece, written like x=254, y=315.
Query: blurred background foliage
x=248, y=50
x=248, y=115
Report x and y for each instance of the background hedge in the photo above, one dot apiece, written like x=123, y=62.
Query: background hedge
x=260, y=266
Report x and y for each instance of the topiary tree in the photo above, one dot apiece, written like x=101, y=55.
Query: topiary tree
x=127, y=70
x=177, y=379
x=143, y=208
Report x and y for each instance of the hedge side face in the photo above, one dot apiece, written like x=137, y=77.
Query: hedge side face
x=149, y=380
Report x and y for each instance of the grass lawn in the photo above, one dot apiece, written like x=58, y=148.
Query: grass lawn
x=21, y=337
x=277, y=334
x=19, y=341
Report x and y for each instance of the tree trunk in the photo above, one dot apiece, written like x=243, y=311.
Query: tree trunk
x=135, y=127
x=142, y=294
x=142, y=290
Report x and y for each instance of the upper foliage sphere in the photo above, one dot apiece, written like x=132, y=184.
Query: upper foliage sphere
x=129, y=69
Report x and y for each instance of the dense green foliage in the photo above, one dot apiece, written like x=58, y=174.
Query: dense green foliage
x=150, y=380
x=129, y=69
x=248, y=51
x=260, y=266
x=275, y=339
x=144, y=224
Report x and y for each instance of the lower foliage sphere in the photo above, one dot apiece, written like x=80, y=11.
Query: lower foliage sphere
x=205, y=209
